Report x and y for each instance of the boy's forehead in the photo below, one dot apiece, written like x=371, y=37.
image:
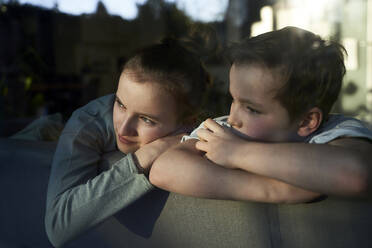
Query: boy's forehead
x=255, y=78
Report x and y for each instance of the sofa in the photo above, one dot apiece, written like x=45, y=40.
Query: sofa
x=163, y=219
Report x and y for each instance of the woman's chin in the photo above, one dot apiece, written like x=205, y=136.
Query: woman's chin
x=127, y=148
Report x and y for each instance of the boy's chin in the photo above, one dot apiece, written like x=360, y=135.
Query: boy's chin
x=270, y=139
x=243, y=135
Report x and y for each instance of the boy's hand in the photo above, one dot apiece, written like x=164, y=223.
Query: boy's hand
x=218, y=143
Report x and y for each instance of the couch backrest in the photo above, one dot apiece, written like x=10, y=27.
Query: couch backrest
x=160, y=219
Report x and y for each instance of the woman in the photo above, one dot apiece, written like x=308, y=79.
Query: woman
x=159, y=93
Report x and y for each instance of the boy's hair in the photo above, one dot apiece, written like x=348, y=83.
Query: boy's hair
x=312, y=69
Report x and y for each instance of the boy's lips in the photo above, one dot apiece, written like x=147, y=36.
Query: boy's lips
x=125, y=141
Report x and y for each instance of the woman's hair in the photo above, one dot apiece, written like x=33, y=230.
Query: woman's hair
x=176, y=65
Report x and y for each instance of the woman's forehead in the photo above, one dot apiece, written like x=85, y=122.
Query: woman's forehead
x=145, y=97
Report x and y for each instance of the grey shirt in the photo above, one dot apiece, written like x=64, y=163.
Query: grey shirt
x=82, y=193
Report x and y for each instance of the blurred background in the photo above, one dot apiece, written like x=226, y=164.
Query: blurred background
x=56, y=55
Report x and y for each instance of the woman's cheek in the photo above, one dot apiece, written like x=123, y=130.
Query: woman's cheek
x=116, y=126
x=149, y=134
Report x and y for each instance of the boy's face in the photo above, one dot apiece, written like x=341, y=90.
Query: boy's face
x=255, y=112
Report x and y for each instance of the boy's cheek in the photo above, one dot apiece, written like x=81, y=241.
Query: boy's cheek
x=258, y=132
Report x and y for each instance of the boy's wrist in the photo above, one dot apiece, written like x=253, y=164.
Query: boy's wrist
x=238, y=157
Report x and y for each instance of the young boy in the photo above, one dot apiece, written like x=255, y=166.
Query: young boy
x=282, y=146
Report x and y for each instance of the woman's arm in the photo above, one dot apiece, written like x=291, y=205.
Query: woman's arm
x=79, y=197
x=183, y=169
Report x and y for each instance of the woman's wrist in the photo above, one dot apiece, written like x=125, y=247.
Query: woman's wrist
x=146, y=155
x=140, y=169
x=144, y=159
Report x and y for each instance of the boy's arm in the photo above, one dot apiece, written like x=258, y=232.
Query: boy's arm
x=183, y=169
x=341, y=167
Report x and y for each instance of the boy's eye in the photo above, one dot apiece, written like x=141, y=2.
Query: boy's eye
x=147, y=121
x=253, y=111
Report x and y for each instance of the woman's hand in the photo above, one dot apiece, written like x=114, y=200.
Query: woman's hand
x=219, y=143
x=147, y=154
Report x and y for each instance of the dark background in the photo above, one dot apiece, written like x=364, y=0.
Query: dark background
x=54, y=62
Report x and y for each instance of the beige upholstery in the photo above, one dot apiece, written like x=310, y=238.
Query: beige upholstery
x=161, y=219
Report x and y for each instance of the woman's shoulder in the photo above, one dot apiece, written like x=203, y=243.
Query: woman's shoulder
x=99, y=105
x=97, y=112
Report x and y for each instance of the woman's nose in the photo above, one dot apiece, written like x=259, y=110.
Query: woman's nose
x=128, y=127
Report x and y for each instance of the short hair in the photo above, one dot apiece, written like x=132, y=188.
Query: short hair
x=312, y=69
x=177, y=69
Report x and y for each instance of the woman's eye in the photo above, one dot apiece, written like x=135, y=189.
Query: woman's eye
x=120, y=105
x=148, y=121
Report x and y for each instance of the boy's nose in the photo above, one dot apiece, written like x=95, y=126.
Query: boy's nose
x=128, y=127
x=234, y=119
x=234, y=122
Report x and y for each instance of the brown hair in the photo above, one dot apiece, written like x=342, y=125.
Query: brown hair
x=312, y=69
x=176, y=65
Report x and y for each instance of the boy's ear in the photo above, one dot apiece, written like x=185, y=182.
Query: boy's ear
x=310, y=122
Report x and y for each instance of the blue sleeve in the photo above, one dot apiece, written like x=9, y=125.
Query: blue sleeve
x=79, y=197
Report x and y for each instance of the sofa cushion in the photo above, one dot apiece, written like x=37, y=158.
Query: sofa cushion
x=160, y=219
x=25, y=167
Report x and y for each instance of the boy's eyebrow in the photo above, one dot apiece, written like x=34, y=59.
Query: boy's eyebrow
x=145, y=114
x=244, y=100
x=258, y=105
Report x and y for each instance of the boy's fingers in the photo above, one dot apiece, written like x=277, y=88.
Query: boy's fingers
x=201, y=146
x=203, y=134
x=213, y=126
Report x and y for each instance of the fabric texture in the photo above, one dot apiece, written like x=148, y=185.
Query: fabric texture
x=45, y=128
x=340, y=126
x=80, y=193
x=222, y=120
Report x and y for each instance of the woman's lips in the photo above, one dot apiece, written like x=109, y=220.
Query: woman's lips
x=125, y=141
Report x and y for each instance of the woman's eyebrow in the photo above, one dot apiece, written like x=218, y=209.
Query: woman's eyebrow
x=118, y=99
x=149, y=116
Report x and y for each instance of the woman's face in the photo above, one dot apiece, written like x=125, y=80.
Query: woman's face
x=143, y=112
